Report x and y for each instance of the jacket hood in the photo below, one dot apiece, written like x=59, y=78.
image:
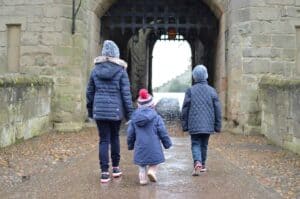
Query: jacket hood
x=143, y=116
x=107, y=70
x=200, y=73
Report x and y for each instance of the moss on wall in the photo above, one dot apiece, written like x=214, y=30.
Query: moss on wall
x=24, y=80
x=278, y=82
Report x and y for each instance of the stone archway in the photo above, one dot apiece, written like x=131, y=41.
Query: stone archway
x=217, y=7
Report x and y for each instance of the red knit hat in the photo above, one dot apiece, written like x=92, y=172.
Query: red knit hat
x=145, y=99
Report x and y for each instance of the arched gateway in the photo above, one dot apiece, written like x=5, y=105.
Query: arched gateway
x=136, y=25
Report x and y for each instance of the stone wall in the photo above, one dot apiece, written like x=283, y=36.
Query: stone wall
x=25, y=103
x=47, y=47
x=280, y=102
x=260, y=39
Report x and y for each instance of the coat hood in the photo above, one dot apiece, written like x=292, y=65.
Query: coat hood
x=143, y=116
x=200, y=73
x=107, y=70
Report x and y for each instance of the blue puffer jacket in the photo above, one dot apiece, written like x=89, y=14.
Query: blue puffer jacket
x=145, y=133
x=201, y=110
x=108, y=92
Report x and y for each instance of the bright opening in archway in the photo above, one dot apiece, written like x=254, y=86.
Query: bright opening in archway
x=171, y=67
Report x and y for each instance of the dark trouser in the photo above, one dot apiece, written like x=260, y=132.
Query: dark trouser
x=108, y=135
x=199, y=147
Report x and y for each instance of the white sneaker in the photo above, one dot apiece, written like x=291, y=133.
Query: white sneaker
x=142, y=177
x=152, y=176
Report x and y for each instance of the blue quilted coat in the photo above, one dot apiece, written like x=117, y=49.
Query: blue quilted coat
x=108, y=92
x=145, y=134
x=201, y=110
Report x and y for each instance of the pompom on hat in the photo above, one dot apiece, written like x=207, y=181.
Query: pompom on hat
x=145, y=99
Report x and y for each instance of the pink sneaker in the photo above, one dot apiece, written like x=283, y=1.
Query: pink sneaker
x=116, y=172
x=203, y=168
x=197, y=168
x=105, y=177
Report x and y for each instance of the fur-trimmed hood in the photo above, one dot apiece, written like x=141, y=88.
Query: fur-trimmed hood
x=114, y=60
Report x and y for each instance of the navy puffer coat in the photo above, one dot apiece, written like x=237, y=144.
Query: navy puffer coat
x=201, y=110
x=108, y=91
x=145, y=134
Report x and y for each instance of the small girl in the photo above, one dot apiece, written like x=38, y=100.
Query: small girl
x=145, y=133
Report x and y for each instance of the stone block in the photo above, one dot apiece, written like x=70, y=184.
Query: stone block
x=37, y=126
x=61, y=61
x=278, y=67
x=39, y=2
x=264, y=13
x=63, y=51
x=264, y=52
x=24, y=10
x=297, y=2
x=252, y=66
x=4, y=119
x=238, y=4
x=50, y=38
x=26, y=61
x=289, y=11
x=67, y=11
x=289, y=54
x=53, y=11
x=63, y=2
x=280, y=2
x=64, y=26
x=32, y=19
x=284, y=41
x=258, y=40
x=291, y=69
x=7, y=11
x=14, y=3
x=68, y=127
x=7, y=136
x=3, y=41
x=41, y=27
x=238, y=16
x=30, y=38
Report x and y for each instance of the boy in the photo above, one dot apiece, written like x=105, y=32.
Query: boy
x=201, y=116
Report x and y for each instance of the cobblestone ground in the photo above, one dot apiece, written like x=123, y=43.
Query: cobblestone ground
x=58, y=165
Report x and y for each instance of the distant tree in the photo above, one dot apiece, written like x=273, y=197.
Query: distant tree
x=178, y=84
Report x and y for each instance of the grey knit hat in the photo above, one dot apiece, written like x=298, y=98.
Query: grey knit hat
x=200, y=73
x=110, y=49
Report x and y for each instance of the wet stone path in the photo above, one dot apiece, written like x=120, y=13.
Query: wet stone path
x=59, y=165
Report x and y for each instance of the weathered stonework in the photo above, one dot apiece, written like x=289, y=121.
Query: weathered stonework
x=280, y=104
x=256, y=37
x=261, y=40
x=25, y=103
